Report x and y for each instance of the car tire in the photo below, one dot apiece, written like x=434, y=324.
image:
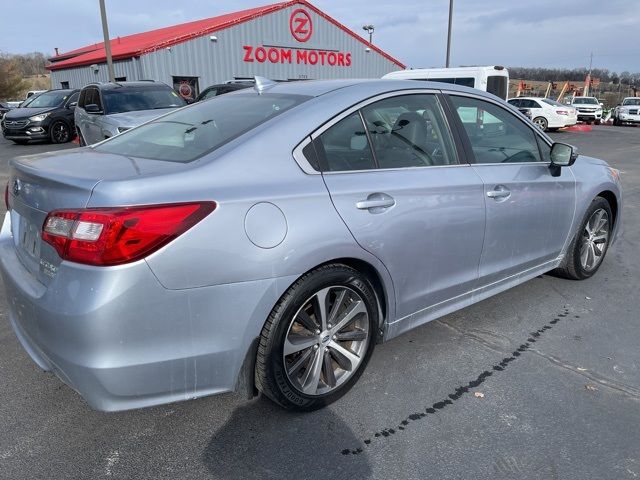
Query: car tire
x=542, y=123
x=317, y=372
x=60, y=132
x=20, y=142
x=597, y=121
x=615, y=122
x=574, y=266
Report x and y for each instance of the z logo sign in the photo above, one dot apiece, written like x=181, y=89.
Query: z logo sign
x=300, y=25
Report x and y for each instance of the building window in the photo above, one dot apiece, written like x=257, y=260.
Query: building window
x=64, y=84
x=187, y=87
x=121, y=79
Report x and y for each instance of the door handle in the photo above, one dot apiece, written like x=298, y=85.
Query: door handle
x=376, y=203
x=499, y=192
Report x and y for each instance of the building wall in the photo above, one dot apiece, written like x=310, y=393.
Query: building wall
x=222, y=60
x=78, y=77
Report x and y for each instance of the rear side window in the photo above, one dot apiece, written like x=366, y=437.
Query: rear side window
x=346, y=147
x=188, y=133
x=409, y=131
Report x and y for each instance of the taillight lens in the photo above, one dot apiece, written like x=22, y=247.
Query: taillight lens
x=562, y=112
x=113, y=236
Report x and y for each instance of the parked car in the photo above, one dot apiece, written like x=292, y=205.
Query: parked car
x=278, y=236
x=107, y=109
x=220, y=89
x=4, y=108
x=46, y=116
x=627, y=112
x=546, y=113
x=589, y=109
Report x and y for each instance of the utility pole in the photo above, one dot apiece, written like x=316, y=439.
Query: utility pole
x=587, y=84
x=107, y=43
x=449, y=33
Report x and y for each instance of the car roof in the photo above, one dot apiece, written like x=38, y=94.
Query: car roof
x=316, y=88
x=135, y=84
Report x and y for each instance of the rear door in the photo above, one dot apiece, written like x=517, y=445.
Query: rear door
x=529, y=209
x=400, y=188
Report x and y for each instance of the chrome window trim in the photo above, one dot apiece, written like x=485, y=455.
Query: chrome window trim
x=395, y=169
x=306, y=167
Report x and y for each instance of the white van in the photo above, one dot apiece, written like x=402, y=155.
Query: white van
x=492, y=79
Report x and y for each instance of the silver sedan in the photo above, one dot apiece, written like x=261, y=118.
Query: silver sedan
x=270, y=238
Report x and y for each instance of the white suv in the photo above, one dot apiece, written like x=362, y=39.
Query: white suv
x=589, y=109
x=627, y=112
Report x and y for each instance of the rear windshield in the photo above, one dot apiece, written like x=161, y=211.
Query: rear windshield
x=553, y=102
x=498, y=85
x=120, y=100
x=47, y=99
x=189, y=133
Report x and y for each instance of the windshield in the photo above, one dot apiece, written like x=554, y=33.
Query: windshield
x=126, y=99
x=586, y=100
x=47, y=99
x=553, y=102
x=631, y=101
x=189, y=133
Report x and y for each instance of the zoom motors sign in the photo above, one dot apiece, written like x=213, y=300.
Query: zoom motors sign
x=301, y=28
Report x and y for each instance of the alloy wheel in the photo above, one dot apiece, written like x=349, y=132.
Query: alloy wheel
x=326, y=340
x=540, y=122
x=595, y=238
x=60, y=133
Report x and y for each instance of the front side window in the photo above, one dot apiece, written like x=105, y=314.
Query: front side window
x=345, y=146
x=516, y=102
x=189, y=133
x=496, y=135
x=409, y=131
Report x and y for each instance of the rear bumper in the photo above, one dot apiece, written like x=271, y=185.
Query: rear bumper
x=123, y=341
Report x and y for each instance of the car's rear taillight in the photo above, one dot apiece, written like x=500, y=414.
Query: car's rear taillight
x=113, y=236
x=562, y=112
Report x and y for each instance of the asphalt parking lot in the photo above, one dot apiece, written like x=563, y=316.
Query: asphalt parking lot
x=459, y=398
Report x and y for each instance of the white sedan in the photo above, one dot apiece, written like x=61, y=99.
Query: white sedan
x=546, y=113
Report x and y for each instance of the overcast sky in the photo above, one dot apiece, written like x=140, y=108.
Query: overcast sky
x=541, y=33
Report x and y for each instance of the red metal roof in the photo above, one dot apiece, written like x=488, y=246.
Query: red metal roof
x=140, y=43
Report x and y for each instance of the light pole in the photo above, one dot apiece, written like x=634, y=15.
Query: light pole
x=369, y=29
x=107, y=44
x=449, y=32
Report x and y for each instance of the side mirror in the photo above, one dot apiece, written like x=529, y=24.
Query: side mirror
x=72, y=105
x=601, y=104
x=92, y=108
x=563, y=155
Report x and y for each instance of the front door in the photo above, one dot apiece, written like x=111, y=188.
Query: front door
x=529, y=209
x=400, y=189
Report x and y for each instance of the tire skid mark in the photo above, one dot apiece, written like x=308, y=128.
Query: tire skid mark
x=433, y=409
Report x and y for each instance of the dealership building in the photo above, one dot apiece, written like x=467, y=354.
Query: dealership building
x=291, y=40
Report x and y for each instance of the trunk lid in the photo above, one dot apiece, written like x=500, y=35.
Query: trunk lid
x=39, y=184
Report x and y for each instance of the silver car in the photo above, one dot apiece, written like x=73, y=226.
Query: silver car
x=107, y=109
x=271, y=238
